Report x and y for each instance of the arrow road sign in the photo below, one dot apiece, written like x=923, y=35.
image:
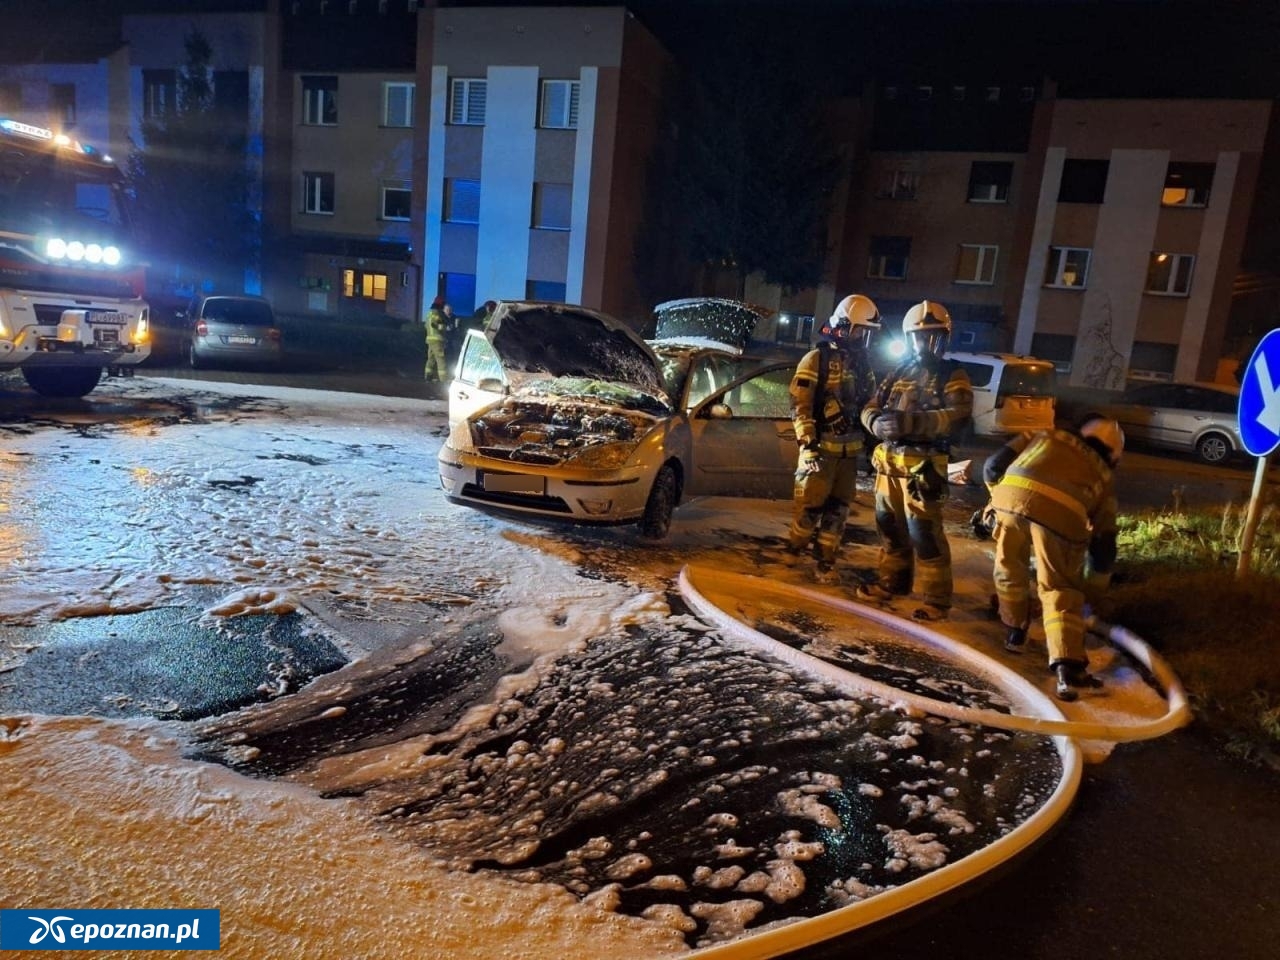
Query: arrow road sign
x=1259, y=409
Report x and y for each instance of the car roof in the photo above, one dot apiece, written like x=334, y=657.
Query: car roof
x=988, y=357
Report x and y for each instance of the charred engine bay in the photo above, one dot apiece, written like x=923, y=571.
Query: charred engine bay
x=532, y=431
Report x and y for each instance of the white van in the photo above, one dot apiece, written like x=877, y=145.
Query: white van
x=1011, y=393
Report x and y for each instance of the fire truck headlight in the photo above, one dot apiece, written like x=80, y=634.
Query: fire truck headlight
x=93, y=253
x=56, y=248
x=75, y=250
x=111, y=256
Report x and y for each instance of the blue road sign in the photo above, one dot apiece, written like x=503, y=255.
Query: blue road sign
x=1259, y=409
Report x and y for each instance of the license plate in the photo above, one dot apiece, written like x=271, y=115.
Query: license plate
x=242, y=339
x=115, y=319
x=513, y=483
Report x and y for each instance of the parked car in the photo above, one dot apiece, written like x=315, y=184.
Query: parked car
x=1011, y=393
x=240, y=329
x=564, y=412
x=1201, y=418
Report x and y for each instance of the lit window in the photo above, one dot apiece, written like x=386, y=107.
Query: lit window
x=1187, y=185
x=320, y=101
x=888, y=258
x=552, y=203
x=396, y=200
x=1170, y=274
x=976, y=263
x=1067, y=267
x=317, y=193
x=362, y=285
x=560, y=104
x=466, y=101
x=989, y=181
x=397, y=104
x=461, y=201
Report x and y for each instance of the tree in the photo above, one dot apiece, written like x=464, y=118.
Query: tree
x=754, y=168
x=191, y=184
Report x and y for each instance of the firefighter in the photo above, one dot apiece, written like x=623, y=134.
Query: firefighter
x=1054, y=499
x=913, y=412
x=438, y=323
x=830, y=385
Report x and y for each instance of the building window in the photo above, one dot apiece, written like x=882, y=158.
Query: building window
x=320, y=101
x=360, y=285
x=1152, y=361
x=1028, y=94
x=62, y=104
x=1067, y=267
x=466, y=101
x=159, y=93
x=545, y=290
x=900, y=185
x=397, y=104
x=958, y=94
x=976, y=263
x=889, y=256
x=1083, y=181
x=461, y=201
x=396, y=199
x=1057, y=348
x=989, y=181
x=924, y=94
x=552, y=203
x=1169, y=274
x=559, y=110
x=1187, y=185
x=993, y=94
x=317, y=193
x=891, y=93
x=459, y=291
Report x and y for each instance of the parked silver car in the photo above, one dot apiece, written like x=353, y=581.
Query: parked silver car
x=564, y=412
x=238, y=329
x=1200, y=418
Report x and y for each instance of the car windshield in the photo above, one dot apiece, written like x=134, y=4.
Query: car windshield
x=601, y=391
x=228, y=310
x=1029, y=380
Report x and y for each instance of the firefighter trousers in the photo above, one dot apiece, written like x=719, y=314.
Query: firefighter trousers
x=914, y=553
x=436, y=366
x=820, y=506
x=1059, y=581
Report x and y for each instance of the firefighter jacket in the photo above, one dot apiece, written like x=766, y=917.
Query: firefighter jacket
x=932, y=398
x=437, y=326
x=1055, y=479
x=828, y=390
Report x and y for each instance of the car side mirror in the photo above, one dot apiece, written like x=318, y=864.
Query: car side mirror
x=720, y=411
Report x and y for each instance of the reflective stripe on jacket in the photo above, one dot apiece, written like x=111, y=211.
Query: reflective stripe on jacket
x=1059, y=482
x=437, y=326
x=837, y=399
x=936, y=393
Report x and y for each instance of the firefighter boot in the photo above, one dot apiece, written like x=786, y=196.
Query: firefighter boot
x=1015, y=639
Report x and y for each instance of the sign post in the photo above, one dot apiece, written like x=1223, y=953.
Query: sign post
x=1259, y=415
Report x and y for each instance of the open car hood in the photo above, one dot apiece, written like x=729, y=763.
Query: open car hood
x=560, y=340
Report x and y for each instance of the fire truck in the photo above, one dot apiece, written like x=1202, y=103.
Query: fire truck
x=71, y=282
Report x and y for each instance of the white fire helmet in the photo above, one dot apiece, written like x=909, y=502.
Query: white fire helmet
x=856, y=318
x=927, y=328
x=1108, y=433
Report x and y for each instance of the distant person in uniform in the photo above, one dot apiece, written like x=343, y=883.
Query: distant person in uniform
x=438, y=323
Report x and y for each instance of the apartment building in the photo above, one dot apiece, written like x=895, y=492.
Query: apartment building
x=541, y=123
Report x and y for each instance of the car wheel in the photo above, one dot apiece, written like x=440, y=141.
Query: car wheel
x=656, y=520
x=1213, y=448
x=193, y=359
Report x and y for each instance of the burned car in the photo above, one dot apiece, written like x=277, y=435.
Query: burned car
x=564, y=412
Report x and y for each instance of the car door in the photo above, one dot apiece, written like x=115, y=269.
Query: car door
x=1138, y=413
x=479, y=379
x=743, y=443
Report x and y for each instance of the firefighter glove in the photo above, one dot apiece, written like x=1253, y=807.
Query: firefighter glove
x=810, y=462
x=888, y=425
